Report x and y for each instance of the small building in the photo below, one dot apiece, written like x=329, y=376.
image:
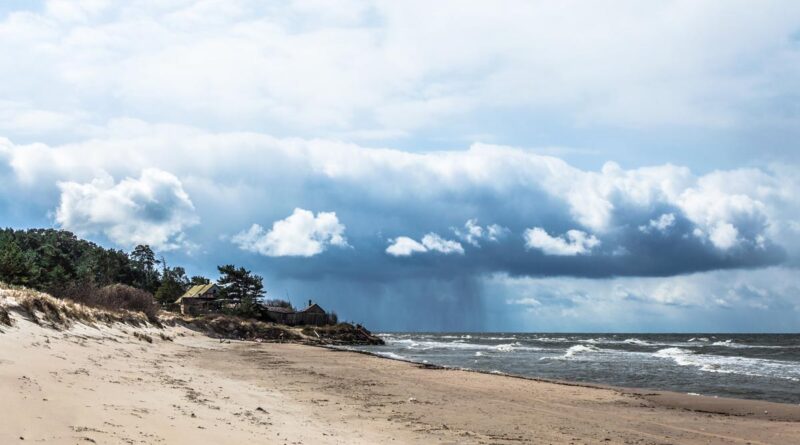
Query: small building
x=313, y=314
x=278, y=314
x=199, y=299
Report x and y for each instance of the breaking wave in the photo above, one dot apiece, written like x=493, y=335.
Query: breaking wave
x=732, y=365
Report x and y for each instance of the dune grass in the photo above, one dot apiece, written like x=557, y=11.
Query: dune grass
x=45, y=310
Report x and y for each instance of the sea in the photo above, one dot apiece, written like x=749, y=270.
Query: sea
x=750, y=366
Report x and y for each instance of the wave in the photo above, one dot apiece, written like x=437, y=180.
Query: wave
x=551, y=339
x=636, y=341
x=425, y=345
x=392, y=355
x=731, y=365
x=694, y=339
x=732, y=344
x=573, y=352
x=729, y=343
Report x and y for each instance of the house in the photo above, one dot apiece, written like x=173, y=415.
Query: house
x=199, y=299
x=313, y=314
x=277, y=314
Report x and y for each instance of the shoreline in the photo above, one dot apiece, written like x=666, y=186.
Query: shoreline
x=128, y=384
x=701, y=403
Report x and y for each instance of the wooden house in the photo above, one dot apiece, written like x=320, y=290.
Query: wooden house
x=199, y=299
x=313, y=314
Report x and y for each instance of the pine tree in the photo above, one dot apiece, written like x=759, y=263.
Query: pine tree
x=14, y=266
x=242, y=286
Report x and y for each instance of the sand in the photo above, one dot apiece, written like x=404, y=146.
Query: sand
x=105, y=385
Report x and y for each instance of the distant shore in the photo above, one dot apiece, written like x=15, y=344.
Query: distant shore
x=146, y=385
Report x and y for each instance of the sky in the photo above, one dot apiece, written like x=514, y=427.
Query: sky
x=563, y=166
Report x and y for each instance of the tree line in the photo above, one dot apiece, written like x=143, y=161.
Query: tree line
x=60, y=263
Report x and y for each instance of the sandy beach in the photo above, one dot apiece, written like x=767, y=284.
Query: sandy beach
x=120, y=384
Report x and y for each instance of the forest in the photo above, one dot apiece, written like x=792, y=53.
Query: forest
x=65, y=266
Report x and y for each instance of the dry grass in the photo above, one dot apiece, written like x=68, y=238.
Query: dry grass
x=5, y=317
x=143, y=337
x=224, y=326
x=115, y=297
x=45, y=310
x=341, y=333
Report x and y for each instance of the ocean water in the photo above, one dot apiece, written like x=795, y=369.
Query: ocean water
x=752, y=366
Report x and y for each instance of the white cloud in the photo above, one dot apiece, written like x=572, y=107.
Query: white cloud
x=405, y=246
x=766, y=298
x=300, y=234
x=399, y=65
x=724, y=235
x=575, y=242
x=436, y=243
x=661, y=224
x=472, y=232
x=153, y=209
x=761, y=204
x=527, y=301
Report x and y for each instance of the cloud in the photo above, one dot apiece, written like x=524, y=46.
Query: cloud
x=575, y=242
x=409, y=65
x=436, y=243
x=660, y=224
x=527, y=301
x=380, y=190
x=299, y=234
x=153, y=209
x=724, y=235
x=473, y=232
x=751, y=300
x=405, y=246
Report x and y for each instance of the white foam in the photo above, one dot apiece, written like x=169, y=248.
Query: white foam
x=694, y=339
x=636, y=341
x=392, y=355
x=580, y=349
x=505, y=347
x=732, y=365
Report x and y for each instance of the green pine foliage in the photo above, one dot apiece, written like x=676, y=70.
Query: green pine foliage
x=242, y=286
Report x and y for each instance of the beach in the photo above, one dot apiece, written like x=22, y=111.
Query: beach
x=145, y=385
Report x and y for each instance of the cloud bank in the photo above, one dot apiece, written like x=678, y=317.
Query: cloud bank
x=588, y=223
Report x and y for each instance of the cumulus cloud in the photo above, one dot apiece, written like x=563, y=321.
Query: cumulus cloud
x=472, y=232
x=300, y=234
x=432, y=242
x=660, y=224
x=724, y=235
x=574, y=242
x=153, y=209
x=404, y=246
x=512, y=187
x=436, y=243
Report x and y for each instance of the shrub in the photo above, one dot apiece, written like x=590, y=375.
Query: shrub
x=277, y=302
x=143, y=337
x=114, y=297
x=5, y=317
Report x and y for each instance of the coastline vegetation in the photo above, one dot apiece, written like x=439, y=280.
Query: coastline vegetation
x=89, y=283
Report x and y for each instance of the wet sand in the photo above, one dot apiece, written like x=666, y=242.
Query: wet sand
x=106, y=385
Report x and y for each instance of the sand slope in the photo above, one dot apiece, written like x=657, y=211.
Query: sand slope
x=106, y=385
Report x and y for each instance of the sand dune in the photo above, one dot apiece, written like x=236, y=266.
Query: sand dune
x=120, y=384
